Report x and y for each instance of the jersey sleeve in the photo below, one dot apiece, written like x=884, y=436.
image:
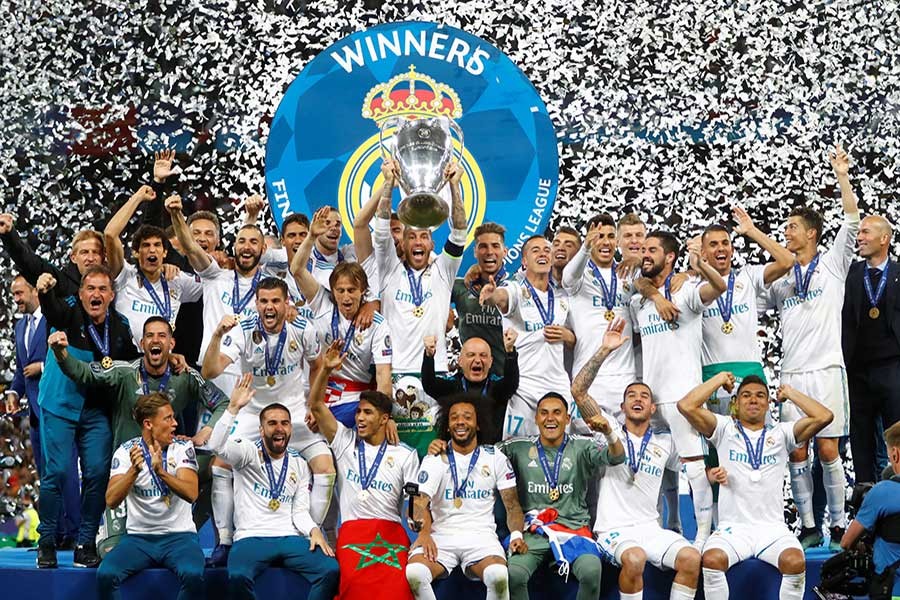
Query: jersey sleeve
x=381, y=343
x=787, y=431
x=121, y=461
x=431, y=475
x=370, y=266
x=191, y=287
x=125, y=273
x=385, y=252
x=757, y=276
x=838, y=258
x=411, y=467
x=300, y=506
x=720, y=431
x=310, y=341
x=506, y=476
x=212, y=271
x=692, y=299
x=232, y=344
x=238, y=453
x=321, y=302
x=674, y=462
x=575, y=272
x=343, y=441
x=514, y=291
x=186, y=457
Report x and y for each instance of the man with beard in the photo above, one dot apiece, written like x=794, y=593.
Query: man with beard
x=156, y=475
x=95, y=332
x=540, y=311
x=371, y=476
x=274, y=350
x=273, y=525
x=565, y=244
x=754, y=456
x=810, y=301
x=127, y=381
x=474, y=374
x=415, y=296
x=459, y=488
x=672, y=361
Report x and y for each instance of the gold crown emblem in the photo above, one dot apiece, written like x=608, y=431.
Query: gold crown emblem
x=411, y=95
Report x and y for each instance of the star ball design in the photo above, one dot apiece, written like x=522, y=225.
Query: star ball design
x=368, y=558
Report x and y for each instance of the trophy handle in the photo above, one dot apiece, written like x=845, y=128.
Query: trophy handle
x=462, y=144
x=385, y=153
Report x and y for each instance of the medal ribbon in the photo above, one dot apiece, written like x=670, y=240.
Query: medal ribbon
x=157, y=480
x=757, y=455
x=465, y=386
x=321, y=257
x=552, y=477
x=667, y=287
x=238, y=305
x=415, y=285
x=366, y=478
x=875, y=298
x=336, y=329
x=164, y=308
x=609, y=292
x=801, y=284
x=725, y=305
x=275, y=487
x=635, y=461
x=101, y=344
x=163, y=381
x=460, y=488
x=546, y=313
x=272, y=364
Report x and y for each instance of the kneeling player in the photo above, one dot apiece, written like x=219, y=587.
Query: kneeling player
x=754, y=456
x=462, y=485
x=156, y=475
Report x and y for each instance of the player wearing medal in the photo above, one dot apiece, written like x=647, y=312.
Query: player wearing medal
x=460, y=488
x=554, y=471
x=273, y=350
x=754, y=456
x=271, y=482
x=415, y=295
x=156, y=475
x=809, y=301
x=671, y=356
x=145, y=290
x=335, y=310
x=371, y=476
x=96, y=332
x=538, y=309
x=565, y=245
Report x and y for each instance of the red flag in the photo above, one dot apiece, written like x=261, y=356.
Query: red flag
x=372, y=555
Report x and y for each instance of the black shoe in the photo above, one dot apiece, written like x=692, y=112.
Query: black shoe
x=46, y=558
x=810, y=537
x=66, y=543
x=834, y=544
x=86, y=556
x=219, y=556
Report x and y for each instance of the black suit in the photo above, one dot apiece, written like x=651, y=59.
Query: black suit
x=872, y=355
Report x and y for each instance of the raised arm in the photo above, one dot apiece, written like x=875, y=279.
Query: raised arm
x=454, y=173
x=817, y=416
x=29, y=264
x=784, y=260
x=57, y=311
x=691, y=406
x=840, y=162
x=715, y=286
x=491, y=295
x=253, y=206
x=316, y=403
x=362, y=236
x=308, y=285
x=78, y=371
x=198, y=258
x=613, y=338
x=573, y=273
x=115, y=254
x=214, y=362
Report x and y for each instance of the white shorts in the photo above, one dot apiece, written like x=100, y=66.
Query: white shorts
x=463, y=549
x=688, y=442
x=608, y=391
x=827, y=386
x=660, y=545
x=304, y=441
x=740, y=542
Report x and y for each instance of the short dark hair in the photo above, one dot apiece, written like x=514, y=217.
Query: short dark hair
x=272, y=283
x=271, y=407
x=205, y=215
x=298, y=218
x=482, y=414
x=395, y=216
x=490, y=227
x=553, y=396
x=255, y=228
x=98, y=270
x=667, y=240
x=147, y=232
x=381, y=401
x=148, y=405
x=351, y=270
x=528, y=240
x=715, y=227
x=634, y=383
x=156, y=319
x=811, y=218
x=570, y=230
x=749, y=379
x=602, y=219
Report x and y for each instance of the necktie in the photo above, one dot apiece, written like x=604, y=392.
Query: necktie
x=29, y=321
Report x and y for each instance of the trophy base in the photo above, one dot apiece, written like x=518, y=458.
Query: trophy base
x=423, y=210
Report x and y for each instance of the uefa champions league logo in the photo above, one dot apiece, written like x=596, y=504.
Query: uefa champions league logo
x=323, y=147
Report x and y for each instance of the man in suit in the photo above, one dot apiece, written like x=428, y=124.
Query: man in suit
x=871, y=342
x=31, y=350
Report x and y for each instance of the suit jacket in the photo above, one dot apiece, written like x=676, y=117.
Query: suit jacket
x=856, y=305
x=27, y=387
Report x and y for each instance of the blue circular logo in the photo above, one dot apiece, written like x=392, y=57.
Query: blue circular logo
x=324, y=147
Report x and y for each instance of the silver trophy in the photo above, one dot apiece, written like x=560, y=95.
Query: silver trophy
x=424, y=148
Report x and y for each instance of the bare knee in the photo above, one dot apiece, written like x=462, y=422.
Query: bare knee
x=633, y=561
x=687, y=561
x=715, y=559
x=792, y=562
x=827, y=448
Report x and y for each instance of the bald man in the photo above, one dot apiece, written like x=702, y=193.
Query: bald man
x=871, y=343
x=474, y=375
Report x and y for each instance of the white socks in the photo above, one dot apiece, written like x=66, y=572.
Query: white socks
x=802, y=490
x=715, y=586
x=835, y=484
x=792, y=587
x=703, y=497
x=681, y=592
x=635, y=596
x=670, y=493
x=223, y=503
x=496, y=580
x=320, y=496
x=419, y=578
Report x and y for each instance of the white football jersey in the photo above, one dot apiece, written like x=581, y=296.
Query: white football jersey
x=748, y=298
x=136, y=304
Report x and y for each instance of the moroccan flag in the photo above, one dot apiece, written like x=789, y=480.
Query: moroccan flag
x=372, y=556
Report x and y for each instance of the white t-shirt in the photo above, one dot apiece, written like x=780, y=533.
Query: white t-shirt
x=252, y=493
x=137, y=305
x=671, y=357
x=476, y=515
x=246, y=347
x=147, y=512
x=811, y=328
x=742, y=500
x=625, y=500
x=399, y=464
x=397, y=301
x=748, y=297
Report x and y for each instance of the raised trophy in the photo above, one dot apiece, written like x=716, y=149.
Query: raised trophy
x=423, y=147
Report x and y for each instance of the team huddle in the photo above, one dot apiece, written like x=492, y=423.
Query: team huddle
x=585, y=384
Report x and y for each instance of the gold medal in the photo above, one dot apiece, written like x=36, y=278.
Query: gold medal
x=457, y=502
x=874, y=312
x=418, y=312
x=363, y=496
x=274, y=504
x=609, y=315
x=554, y=494
x=270, y=380
x=727, y=327
x=167, y=499
x=107, y=362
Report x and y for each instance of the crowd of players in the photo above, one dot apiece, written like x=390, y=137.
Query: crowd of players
x=585, y=383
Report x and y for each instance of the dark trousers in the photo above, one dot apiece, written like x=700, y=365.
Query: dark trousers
x=874, y=395
x=67, y=526
x=178, y=552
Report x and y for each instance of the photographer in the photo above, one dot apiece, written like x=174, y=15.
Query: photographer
x=880, y=504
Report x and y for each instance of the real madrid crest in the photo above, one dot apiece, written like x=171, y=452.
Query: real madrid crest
x=257, y=336
x=293, y=346
x=485, y=471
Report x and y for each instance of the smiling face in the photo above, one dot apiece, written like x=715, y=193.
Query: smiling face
x=564, y=247
x=329, y=240
x=716, y=248
x=150, y=255
x=271, y=305
x=248, y=249
x=654, y=259
x=205, y=233
x=157, y=344
x=631, y=240
x=293, y=235
x=162, y=425
x=536, y=256
x=369, y=420
x=752, y=403
x=347, y=296
x=873, y=238
x=638, y=403
x=489, y=252
x=24, y=296
x=275, y=430
x=475, y=360
x=463, y=423
x=552, y=418
x=96, y=293
x=604, y=249
x=417, y=247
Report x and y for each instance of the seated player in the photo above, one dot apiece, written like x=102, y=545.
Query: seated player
x=754, y=456
x=156, y=475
